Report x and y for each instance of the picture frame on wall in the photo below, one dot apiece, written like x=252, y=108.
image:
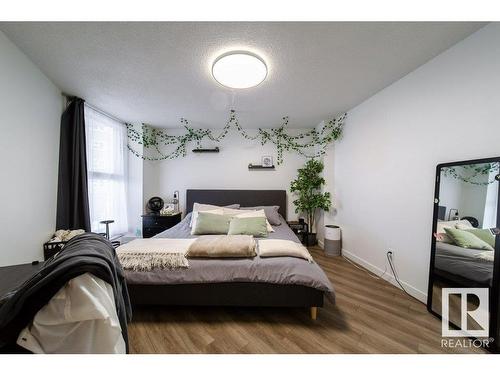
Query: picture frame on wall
x=267, y=161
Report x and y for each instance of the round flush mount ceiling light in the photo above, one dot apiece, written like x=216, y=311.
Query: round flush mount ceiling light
x=239, y=70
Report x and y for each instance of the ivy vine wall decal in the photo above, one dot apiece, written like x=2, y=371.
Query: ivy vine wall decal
x=310, y=144
x=474, y=174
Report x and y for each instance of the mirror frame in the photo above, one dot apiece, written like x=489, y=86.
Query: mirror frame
x=494, y=289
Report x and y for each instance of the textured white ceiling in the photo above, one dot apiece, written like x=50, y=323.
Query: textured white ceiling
x=159, y=72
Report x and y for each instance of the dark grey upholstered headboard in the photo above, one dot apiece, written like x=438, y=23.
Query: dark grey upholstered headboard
x=246, y=198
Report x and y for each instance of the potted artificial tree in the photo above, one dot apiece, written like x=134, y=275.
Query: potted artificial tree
x=307, y=186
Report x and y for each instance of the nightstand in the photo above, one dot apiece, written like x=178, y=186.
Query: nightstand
x=301, y=230
x=152, y=224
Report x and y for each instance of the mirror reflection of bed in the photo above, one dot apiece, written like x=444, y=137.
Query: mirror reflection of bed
x=465, y=231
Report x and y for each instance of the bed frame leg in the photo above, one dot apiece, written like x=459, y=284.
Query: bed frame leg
x=314, y=312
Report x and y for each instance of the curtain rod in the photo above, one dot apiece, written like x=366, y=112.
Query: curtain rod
x=69, y=97
x=105, y=114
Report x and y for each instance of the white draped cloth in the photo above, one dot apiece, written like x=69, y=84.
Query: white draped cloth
x=80, y=318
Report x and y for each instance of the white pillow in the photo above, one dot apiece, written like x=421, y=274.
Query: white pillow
x=194, y=215
x=454, y=224
x=464, y=224
x=256, y=213
x=205, y=208
x=283, y=248
x=231, y=211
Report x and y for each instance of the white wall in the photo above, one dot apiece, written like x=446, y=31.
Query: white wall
x=473, y=201
x=450, y=195
x=446, y=110
x=468, y=199
x=491, y=203
x=322, y=217
x=31, y=108
x=227, y=169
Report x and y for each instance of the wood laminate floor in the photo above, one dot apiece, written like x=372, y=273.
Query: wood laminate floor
x=370, y=316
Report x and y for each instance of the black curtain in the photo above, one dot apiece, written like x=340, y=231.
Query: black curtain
x=72, y=190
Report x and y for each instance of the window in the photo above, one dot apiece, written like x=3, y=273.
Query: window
x=107, y=171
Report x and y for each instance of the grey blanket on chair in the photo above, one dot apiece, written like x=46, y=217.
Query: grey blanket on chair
x=88, y=252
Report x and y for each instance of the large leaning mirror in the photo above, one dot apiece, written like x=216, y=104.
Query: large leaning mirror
x=464, y=269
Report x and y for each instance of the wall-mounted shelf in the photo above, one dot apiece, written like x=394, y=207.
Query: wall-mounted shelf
x=216, y=149
x=252, y=167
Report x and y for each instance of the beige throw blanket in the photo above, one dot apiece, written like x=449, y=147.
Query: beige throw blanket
x=223, y=246
x=148, y=253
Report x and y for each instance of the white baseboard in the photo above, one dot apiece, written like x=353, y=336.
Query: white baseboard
x=418, y=294
x=321, y=244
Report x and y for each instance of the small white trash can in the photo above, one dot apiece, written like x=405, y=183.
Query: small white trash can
x=333, y=240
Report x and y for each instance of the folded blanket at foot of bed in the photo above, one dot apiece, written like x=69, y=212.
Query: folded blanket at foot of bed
x=147, y=254
x=223, y=246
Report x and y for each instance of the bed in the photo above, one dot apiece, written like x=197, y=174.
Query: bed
x=462, y=266
x=272, y=282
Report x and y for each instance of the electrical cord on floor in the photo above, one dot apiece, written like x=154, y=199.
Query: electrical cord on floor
x=380, y=277
x=371, y=274
x=393, y=269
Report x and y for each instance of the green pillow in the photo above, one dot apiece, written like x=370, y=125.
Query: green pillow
x=484, y=234
x=207, y=223
x=252, y=226
x=466, y=239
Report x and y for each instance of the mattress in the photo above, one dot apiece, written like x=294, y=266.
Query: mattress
x=274, y=270
x=464, y=263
